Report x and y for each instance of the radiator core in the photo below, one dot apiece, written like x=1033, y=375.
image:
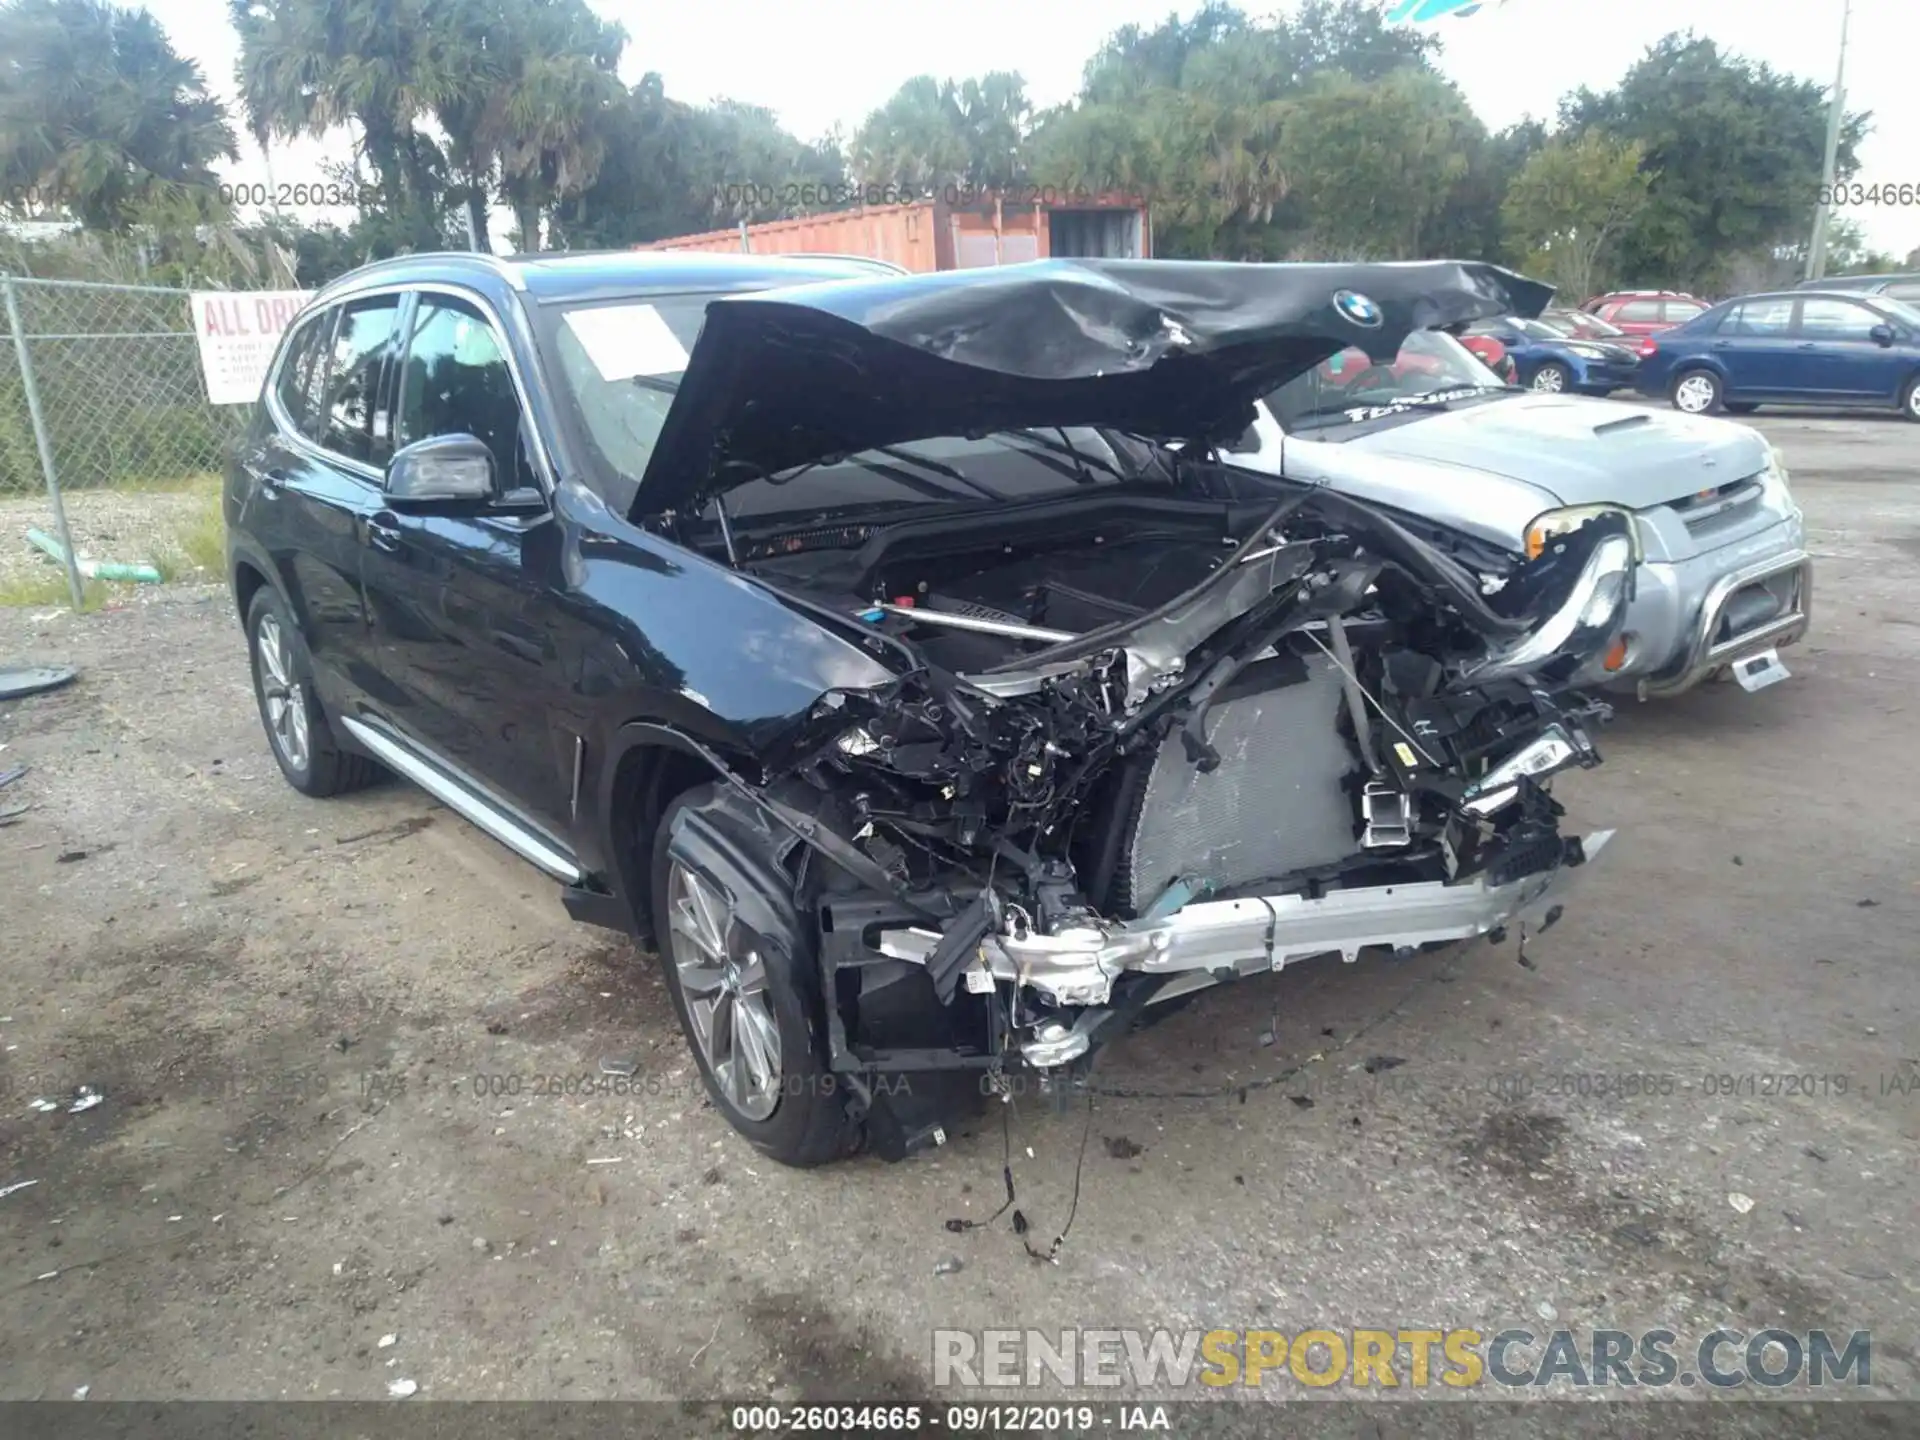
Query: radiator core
x=1277, y=803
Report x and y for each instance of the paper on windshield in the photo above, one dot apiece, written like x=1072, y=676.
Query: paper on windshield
x=627, y=340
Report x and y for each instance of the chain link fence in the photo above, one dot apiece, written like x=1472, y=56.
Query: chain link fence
x=110, y=453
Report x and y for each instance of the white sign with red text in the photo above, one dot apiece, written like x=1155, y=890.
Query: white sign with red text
x=238, y=331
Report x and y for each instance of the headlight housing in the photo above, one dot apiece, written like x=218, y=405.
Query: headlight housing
x=1586, y=352
x=1544, y=527
x=1585, y=619
x=1775, y=475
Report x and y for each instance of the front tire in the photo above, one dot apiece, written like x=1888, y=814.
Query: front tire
x=1552, y=378
x=749, y=1012
x=298, y=733
x=1910, y=401
x=1697, y=392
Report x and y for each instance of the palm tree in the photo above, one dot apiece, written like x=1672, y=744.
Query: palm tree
x=552, y=99
x=309, y=66
x=933, y=133
x=98, y=113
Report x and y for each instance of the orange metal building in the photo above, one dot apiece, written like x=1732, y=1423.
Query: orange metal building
x=935, y=235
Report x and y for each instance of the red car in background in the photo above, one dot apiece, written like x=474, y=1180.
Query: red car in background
x=1646, y=312
x=1343, y=369
x=1492, y=354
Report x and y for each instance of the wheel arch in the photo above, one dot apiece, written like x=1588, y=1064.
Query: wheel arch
x=649, y=766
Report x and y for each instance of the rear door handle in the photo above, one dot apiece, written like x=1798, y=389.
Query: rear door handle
x=272, y=480
x=1809, y=345
x=383, y=533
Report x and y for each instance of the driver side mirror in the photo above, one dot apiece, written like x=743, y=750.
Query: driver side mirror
x=1881, y=335
x=441, y=469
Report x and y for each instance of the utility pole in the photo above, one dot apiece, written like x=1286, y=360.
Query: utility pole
x=1817, y=252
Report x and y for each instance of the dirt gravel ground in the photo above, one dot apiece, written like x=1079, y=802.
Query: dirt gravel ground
x=328, y=1038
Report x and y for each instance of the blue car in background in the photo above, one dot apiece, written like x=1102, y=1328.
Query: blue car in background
x=1795, y=347
x=1551, y=360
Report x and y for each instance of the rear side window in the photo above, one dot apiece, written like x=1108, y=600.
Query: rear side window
x=1680, y=311
x=297, y=386
x=1756, y=318
x=352, y=394
x=1635, y=310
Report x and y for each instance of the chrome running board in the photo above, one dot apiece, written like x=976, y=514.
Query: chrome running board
x=482, y=811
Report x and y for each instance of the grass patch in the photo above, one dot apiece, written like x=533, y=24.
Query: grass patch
x=196, y=547
x=49, y=587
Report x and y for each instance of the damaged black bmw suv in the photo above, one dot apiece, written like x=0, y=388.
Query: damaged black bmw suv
x=900, y=652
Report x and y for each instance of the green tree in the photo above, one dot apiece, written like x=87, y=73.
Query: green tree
x=1735, y=148
x=676, y=169
x=1569, y=207
x=376, y=67
x=100, y=116
x=1217, y=119
x=933, y=132
x=538, y=103
x=1374, y=165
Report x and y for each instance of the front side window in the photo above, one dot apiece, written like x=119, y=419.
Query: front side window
x=353, y=378
x=1907, y=290
x=1822, y=319
x=455, y=381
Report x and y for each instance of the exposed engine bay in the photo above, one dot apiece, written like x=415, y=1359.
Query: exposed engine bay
x=1102, y=722
x=1159, y=711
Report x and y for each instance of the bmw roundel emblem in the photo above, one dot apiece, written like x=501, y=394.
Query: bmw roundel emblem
x=1357, y=308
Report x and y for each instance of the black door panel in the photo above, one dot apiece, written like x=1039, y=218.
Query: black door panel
x=460, y=602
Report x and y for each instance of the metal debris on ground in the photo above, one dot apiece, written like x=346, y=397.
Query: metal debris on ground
x=1741, y=1203
x=622, y=1065
x=42, y=1104
x=85, y=1100
x=387, y=1340
x=401, y=1389
x=952, y=1265
x=19, y=680
x=6, y=1190
x=7, y=777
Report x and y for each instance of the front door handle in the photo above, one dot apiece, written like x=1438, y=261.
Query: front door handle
x=383, y=533
x=272, y=480
x=1808, y=345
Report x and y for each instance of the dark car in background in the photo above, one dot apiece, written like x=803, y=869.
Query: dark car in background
x=897, y=654
x=1894, y=287
x=1797, y=347
x=1646, y=312
x=1546, y=359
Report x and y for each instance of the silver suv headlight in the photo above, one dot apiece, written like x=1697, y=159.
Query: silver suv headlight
x=1593, y=610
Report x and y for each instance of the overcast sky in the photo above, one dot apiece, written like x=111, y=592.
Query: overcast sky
x=830, y=62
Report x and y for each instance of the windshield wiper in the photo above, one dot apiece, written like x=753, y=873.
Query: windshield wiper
x=1081, y=459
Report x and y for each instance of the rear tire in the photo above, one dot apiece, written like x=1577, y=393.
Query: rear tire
x=750, y=1011
x=1910, y=401
x=298, y=732
x=1696, y=392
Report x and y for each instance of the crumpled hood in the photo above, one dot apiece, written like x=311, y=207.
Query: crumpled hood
x=1176, y=350
x=1581, y=451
